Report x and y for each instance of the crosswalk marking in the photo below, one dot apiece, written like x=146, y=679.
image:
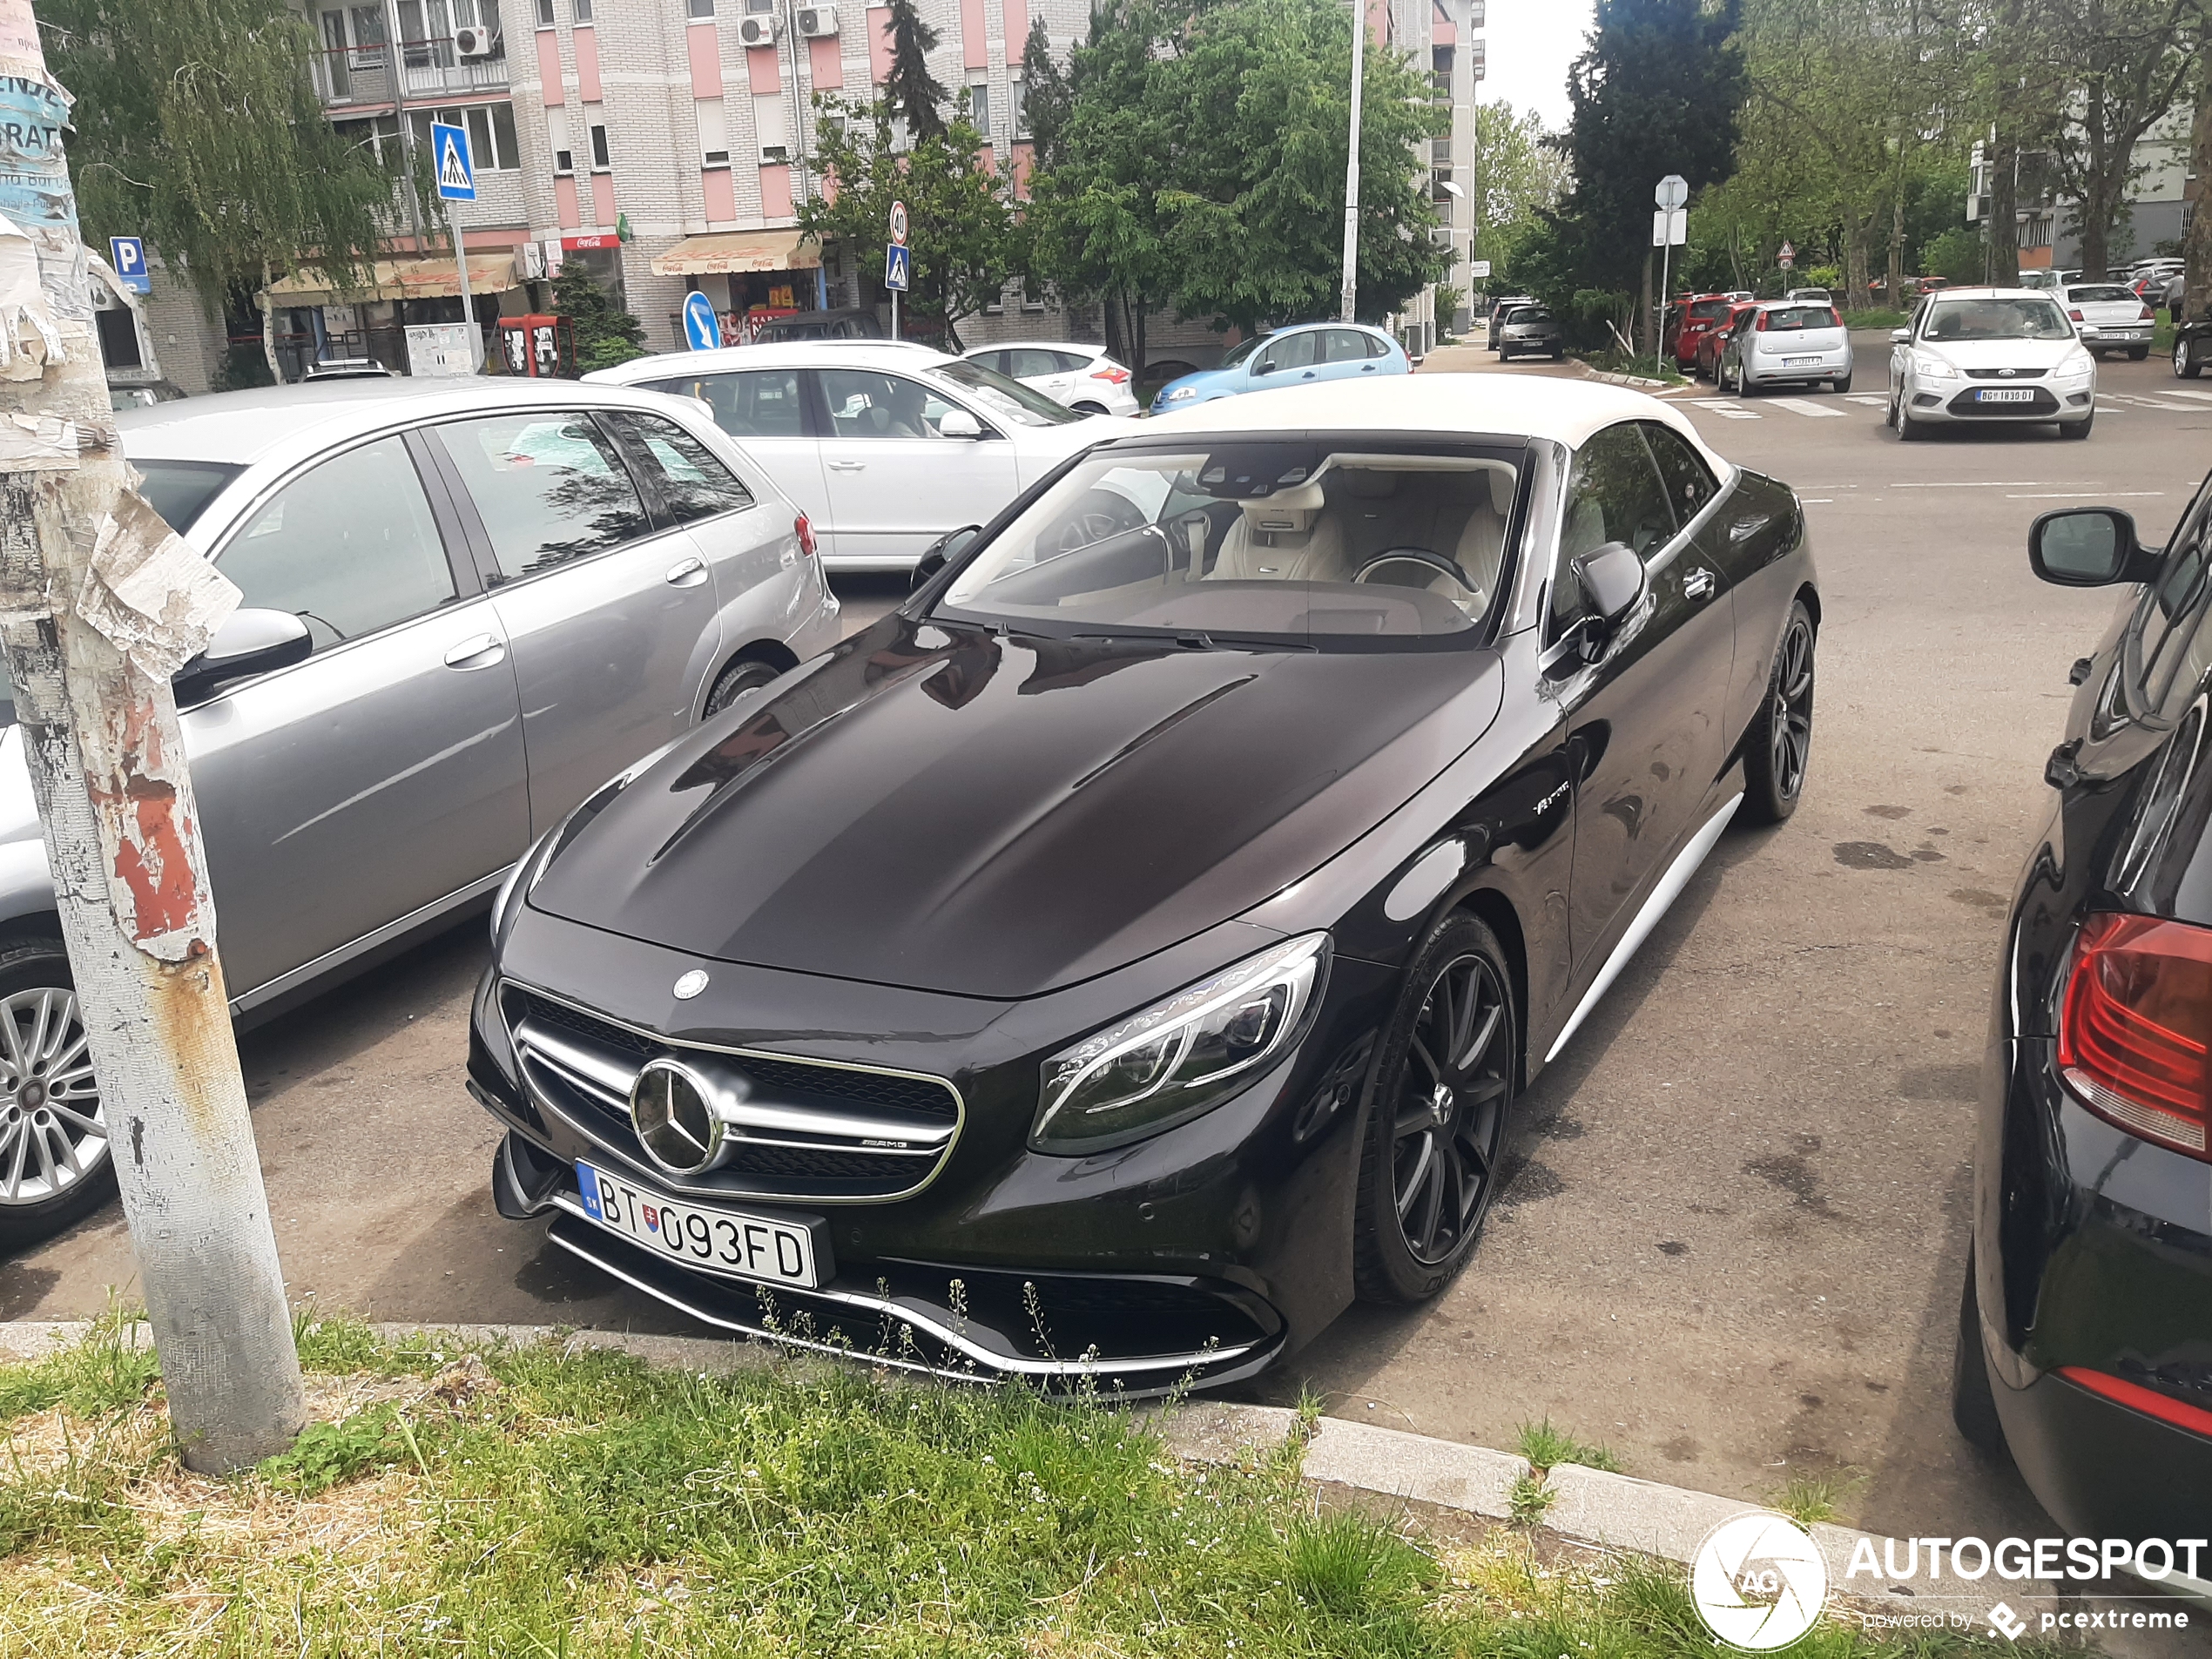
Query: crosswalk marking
x=2183, y=391
x=1726, y=407
x=1876, y=401
x=2141, y=401
x=1804, y=406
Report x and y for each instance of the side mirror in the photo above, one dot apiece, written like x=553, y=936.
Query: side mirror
x=942, y=552
x=1266, y=365
x=1612, y=579
x=1901, y=336
x=248, y=642
x=958, y=423
x=2088, y=547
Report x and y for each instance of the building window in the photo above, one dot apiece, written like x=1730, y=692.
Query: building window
x=599, y=161
x=545, y=14
x=492, y=145
x=379, y=135
x=584, y=10
x=714, y=138
x=1018, y=95
x=557, y=128
x=697, y=9
x=979, y=108
x=770, y=131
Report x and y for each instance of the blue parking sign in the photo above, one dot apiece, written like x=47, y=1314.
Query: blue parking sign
x=127, y=255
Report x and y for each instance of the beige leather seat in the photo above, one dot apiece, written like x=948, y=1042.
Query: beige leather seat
x=1293, y=536
x=1482, y=550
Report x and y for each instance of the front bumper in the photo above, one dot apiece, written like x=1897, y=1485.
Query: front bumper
x=1950, y=400
x=1197, y=1257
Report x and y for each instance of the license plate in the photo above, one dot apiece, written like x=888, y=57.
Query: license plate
x=704, y=1237
x=2006, y=394
x=1799, y=362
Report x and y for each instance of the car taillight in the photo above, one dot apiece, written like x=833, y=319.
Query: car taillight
x=2076, y=315
x=2148, y=314
x=2135, y=1031
x=1113, y=372
x=2135, y=1397
x=1758, y=323
x=804, y=530
x=1835, y=318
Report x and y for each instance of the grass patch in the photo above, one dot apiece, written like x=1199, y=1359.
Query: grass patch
x=1875, y=317
x=561, y=1501
x=1616, y=361
x=1808, y=1498
x=1547, y=1447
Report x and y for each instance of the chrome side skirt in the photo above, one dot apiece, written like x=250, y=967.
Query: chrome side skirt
x=1661, y=898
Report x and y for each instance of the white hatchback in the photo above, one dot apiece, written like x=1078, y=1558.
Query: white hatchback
x=886, y=447
x=2111, y=317
x=1990, y=355
x=1082, y=377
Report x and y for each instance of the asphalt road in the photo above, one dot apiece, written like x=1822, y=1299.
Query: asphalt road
x=1733, y=1244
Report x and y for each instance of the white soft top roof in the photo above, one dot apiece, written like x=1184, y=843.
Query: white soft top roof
x=886, y=354
x=1568, y=412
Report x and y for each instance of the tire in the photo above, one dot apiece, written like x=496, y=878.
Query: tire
x=1744, y=387
x=1559, y=354
x=747, y=674
x=2136, y=354
x=1973, y=1402
x=1778, y=751
x=2186, y=364
x=1428, y=1171
x=41, y=1190
x=1908, y=429
x=2078, y=429
x=1843, y=385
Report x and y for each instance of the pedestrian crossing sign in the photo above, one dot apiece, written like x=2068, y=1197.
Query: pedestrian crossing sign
x=449, y=155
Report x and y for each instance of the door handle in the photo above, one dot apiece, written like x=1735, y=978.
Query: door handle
x=1366, y=369
x=1308, y=376
x=685, y=573
x=848, y=466
x=1698, y=585
x=478, y=651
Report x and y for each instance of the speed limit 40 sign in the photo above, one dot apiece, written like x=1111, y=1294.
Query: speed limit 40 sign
x=898, y=224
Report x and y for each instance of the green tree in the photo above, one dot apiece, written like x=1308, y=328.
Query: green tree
x=1656, y=91
x=1520, y=170
x=1048, y=99
x=913, y=96
x=602, y=333
x=198, y=127
x=960, y=231
x=2123, y=64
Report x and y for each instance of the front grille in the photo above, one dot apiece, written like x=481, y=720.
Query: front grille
x=2004, y=374
x=2042, y=404
x=820, y=1131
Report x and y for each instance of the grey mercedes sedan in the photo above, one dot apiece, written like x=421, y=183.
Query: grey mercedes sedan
x=466, y=606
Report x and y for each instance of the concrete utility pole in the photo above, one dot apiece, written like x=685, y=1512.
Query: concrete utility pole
x=1351, y=166
x=100, y=602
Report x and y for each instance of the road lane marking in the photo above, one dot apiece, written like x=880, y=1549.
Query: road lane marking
x=2141, y=401
x=2182, y=391
x=1979, y=483
x=1876, y=401
x=2084, y=494
x=1802, y=405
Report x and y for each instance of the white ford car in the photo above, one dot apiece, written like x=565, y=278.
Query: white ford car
x=1990, y=354
x=885, y=446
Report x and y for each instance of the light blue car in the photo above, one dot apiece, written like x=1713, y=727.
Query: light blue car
x=1311, y=351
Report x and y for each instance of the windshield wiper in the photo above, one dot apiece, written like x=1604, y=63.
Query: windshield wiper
x=1193, y=640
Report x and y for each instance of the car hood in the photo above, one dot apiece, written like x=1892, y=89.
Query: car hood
x=948, y=809
x=1999, y=353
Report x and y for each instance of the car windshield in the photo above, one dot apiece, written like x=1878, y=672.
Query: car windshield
x=1791, y=319
x=1007, y=399
x=1985, y=319
x=1528, y=314
x=179, y=490
x=2103, y=294
x=1706, y=310
x=1242, y=351
x=1302, y=542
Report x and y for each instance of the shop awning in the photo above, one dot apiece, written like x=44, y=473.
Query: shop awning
x=408, y=276
x=737, y=250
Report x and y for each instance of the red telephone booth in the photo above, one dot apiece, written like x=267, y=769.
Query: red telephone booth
x=541, y=346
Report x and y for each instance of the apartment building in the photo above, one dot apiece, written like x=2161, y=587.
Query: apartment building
x=663, y=144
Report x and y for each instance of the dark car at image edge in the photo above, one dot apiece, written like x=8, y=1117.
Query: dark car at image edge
x=2085, y=1342
x=1127, y=953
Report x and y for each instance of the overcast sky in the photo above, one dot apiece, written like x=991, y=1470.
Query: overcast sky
x=1530, y=44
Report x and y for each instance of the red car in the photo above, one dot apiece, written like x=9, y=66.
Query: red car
x=1699, y=312
x=1705, y=365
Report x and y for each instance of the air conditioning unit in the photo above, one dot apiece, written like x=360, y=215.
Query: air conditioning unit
x=775, y=155
x=1442, y=236
x=758, y=30
x=533, y=262
x=472, y=40
x=817, y=22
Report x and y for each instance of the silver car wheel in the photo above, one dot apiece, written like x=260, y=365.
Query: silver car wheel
x=53, y=1133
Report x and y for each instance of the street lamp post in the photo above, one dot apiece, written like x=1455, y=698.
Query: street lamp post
x=1351, y=296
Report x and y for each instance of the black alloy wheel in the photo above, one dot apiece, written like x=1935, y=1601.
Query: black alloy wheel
x=1778, y=752
x=747, y=674
x=55, y=1165
x=1443, y=1092
x=2186, y=366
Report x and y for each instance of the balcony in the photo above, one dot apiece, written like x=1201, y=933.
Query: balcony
x=428, y=69
x=1440, y=154
x=1439, y=86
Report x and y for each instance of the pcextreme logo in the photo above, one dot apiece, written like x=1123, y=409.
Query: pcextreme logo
x=1758, y=1581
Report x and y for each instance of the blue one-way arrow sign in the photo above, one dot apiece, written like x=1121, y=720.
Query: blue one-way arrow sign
x=897, y=264
x=449, y=155
x=127, y=255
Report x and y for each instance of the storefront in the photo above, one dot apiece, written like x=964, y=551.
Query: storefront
x=752, y=277
x=320, y=317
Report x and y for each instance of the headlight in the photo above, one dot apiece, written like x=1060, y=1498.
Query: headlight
x=2076, y=364
x=1180, y=1057
x=1182, y=392
x=1933, y=368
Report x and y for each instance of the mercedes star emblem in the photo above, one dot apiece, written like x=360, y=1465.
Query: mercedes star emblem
x=689, y=985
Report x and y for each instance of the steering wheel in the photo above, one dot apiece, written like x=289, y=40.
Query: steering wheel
x=1433, y=562
x=1096, y=515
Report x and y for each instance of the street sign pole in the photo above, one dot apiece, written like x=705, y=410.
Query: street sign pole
x=100, y=603
x=1672, y=192
x=893, y=264
x=468, y=305
x=457, y=172
x=1348, y=301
